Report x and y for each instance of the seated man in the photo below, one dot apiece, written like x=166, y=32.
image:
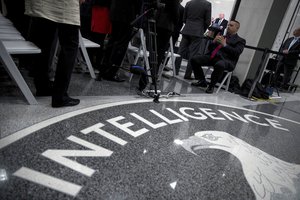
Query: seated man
x=223, y=54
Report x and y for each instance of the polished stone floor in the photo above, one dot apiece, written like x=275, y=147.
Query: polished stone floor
x=119, y=145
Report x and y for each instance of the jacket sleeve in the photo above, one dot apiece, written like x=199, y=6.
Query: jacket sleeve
x=207, y=17
x=235, y=50
x=295, y=51
x=102, y=3
x=185, y=12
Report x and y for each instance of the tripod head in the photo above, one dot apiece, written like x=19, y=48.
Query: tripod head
x=149, y=9
x=154, y=4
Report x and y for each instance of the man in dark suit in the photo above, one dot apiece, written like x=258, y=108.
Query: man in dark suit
x=197, y=18
x=223, y=54
x=122, y=13
x=291, y=51
x=221, y=21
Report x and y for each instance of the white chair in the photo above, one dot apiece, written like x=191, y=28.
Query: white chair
x=169, y=54
x=141, y=52
x=226, y=79
x=17, y=47
x=12, y=42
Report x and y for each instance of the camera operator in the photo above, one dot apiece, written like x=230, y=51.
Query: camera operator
x=166, y=17
x=223, y=54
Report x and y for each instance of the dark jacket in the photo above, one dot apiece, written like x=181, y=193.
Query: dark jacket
x=223, y=24
x=232, y=51
x=197, y=17
x=168, y=16
x=102, y=3
x=292, y=57
x=124, y=10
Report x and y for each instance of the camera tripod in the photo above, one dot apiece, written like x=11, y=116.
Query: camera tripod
x=151, y=61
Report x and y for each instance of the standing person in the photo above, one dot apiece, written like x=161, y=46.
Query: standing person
x=291, y=51
x=176, y=32
x=122, y=13
x=178, y=26
x=100, y=27
x=221, y=21
x=223, y=54
x=50, y=16
x=197, y=18
x=85, y=18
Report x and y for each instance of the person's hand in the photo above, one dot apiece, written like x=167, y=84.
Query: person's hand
x=209, y=34
x=81, y=1
x=220, y=39
x=286, y=51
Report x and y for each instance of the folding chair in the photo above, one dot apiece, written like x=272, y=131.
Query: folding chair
x=226, y=79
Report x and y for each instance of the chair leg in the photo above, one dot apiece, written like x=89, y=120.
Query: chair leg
x=228, y=80
x=15, y=74
x=227, y=77
x=86, y=56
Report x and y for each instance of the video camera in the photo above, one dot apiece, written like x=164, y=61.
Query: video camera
x=213, y=30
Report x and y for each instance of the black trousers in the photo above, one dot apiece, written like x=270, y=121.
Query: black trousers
x=42, y=33
x=287, y=73
x=189, y=47
x=218, y=64
x=98, y=38
x=117, y=46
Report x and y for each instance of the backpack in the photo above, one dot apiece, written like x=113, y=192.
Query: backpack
x=234, y=85
x=258, y=92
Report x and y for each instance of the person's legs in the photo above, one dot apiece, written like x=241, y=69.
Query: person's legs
x=219, y=67
x=196, y=63
x=68, y=38
x=162, y=42
x=195, y=44
x=121, y=35
x=42, y=33
x=217, y=73
x=276, y=79
x=288, y=71
x=98, y=52
x=182, y=51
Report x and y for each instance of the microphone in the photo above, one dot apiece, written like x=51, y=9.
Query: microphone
x=136, y=69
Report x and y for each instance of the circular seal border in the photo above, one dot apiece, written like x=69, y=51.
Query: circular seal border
x=31, y=129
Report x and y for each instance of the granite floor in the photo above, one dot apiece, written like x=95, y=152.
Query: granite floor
x=118, y=145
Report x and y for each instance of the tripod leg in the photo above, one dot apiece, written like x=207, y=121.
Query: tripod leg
x=152, y=46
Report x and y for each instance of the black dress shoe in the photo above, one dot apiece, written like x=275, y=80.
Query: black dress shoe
x=67, y=101
x=116, y=78
x=210, y=90
x=201, y=83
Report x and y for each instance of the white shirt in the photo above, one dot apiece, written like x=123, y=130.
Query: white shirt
x=293, y=42
x=220, y=21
